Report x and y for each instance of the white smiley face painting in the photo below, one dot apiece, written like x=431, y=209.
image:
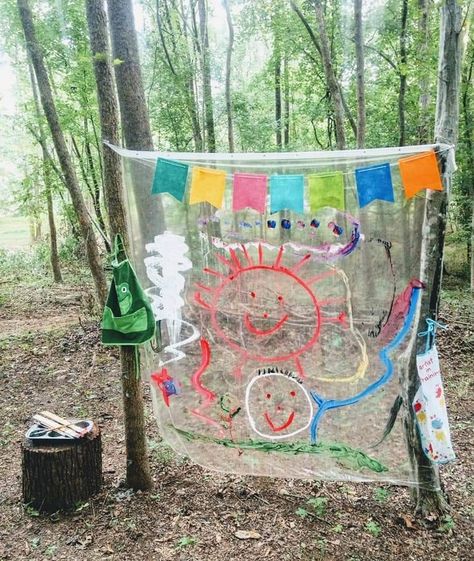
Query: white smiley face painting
x=278, y=405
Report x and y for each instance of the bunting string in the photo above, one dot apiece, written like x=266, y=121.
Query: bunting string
x=286, y=191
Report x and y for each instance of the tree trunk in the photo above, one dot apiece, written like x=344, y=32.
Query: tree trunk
x=138, y=470
x=228, y=92
x=359, y=48
x=402, y=72
x=92, y=192
x=424, y=120
x=286, y=103
x=67, y=167
x=206, y=77
x=428, y=496
x=53, y=238
x=58, y=476
x=95, y=186
x=133, y=110
x=330, y=75
x=467, y=83
x=278, y=100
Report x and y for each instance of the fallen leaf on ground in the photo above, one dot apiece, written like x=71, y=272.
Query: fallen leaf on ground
x=247, y=535
x=407, y=520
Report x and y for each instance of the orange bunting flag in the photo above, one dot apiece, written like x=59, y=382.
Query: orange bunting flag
x=207, y=186
x=420, y=172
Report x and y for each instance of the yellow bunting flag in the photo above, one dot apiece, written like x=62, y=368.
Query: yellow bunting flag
x=207, y=186
x=420, y=172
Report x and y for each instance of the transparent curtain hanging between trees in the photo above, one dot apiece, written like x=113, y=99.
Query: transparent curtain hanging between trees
x=224, y=76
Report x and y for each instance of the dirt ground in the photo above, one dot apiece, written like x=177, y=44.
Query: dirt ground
x=51, y=358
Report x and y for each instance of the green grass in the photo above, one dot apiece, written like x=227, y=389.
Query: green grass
x=14, y=233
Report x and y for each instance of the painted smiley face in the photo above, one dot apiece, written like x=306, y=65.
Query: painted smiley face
x=278, y=406
x=265, y=316
x=263, y=303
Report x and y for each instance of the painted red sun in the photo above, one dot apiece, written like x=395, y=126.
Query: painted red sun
x=256, y=308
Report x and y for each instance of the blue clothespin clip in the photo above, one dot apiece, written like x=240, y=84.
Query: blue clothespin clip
x=430, y=332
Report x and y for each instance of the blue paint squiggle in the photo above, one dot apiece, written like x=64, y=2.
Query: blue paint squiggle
x=327, y=404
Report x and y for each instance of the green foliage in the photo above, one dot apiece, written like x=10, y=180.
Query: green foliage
x=447, y=524
x=319, y=505
x=186, y=541
x=381, y=494
x=373, y=528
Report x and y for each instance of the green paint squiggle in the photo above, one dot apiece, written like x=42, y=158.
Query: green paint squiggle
x=350, y=456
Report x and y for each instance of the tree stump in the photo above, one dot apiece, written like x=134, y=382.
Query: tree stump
x=56, y=476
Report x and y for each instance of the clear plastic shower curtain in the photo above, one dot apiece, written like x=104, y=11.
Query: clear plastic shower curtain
x=284, y=337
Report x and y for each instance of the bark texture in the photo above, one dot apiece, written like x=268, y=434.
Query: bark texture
x=402, y=73
x=428, y=497
x=206, y=77
x=359, y=49
x=49, y=108
x=330, y=75
x=278, y=122
x=424, y=101
x=47, y=168
x=138, y=469
x=133, y=111
x=228, y=71
x=57, y=476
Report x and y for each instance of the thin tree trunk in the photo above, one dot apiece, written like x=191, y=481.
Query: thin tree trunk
x=278, y=100
x=228, y=92
x=359, y=48
x=53, y=238
x=286, y=103
x=330, y=75
x=93, y=194
x=428, y=496
x=138, y=470
x=206, y=77
x=424, y=120
x=468, y=117
x=95, y=186
x=402, y=72
x=64, y=157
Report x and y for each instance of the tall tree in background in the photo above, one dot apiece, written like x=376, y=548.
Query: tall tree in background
x=424, y=29
x=278, y=121
x=359, y=49
x=206, y=76
x=69, y=173
x=468, y=142
x=137, y=134
x=331, y=80
x=47, y=169
x=428, y=496
x=402, y=72
x=228, y=71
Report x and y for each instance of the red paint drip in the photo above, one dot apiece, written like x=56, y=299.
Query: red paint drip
x=196, y=377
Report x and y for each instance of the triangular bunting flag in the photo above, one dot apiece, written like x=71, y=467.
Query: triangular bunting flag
x=287, y=193
x=420, y=172
x=326, y=190
x=170, y=177
x=207, y=186
x=250, y=191
x=374, y=182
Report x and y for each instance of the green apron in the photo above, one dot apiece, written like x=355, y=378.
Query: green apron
x=128, y=318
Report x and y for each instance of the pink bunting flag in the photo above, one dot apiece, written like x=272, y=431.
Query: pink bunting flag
x=250, y=191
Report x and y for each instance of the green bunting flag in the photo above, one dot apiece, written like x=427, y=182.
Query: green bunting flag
x=326, y=190
x=170, y=177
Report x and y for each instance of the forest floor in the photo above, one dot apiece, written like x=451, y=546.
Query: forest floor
x=51, y=358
